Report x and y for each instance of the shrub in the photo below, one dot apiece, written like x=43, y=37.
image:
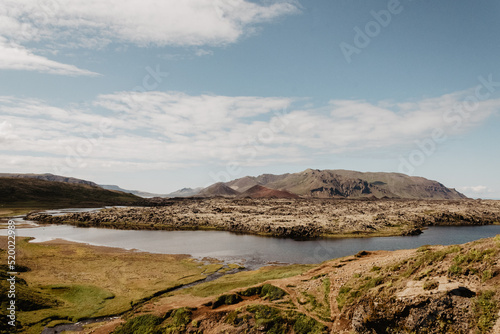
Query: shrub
x=486, y=310
x=226, y=300
x=455, y=270
x=251, y=291
x=307, y=325
x=487, y=274
x=143, y=324
x=272, y=292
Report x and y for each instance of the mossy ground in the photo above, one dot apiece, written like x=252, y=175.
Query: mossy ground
x=79, y=281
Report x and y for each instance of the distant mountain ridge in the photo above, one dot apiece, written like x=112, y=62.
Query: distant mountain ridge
x=38, y=192
x=218, y=189
x=139, y=193
x=185, y=192
x=259, y=191
x=313, y=183
x=50, y=177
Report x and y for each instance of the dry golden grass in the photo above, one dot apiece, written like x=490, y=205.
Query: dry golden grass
x=91, y=281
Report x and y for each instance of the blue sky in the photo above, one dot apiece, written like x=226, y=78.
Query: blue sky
x=158, y=95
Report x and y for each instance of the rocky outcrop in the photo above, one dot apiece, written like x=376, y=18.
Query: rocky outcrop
x=441, y=313
x=292, y=218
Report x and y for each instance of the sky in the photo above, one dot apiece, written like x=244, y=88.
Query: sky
x=158, y=95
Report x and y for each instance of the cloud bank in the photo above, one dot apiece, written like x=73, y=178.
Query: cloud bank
x=159, y=130
x=57, y=24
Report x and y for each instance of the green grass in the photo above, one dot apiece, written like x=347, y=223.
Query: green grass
x=326, y=288
x=486, y=311
x=474, y=256
x=244, y=279
x=79, y=301
x=271, y=292
x=175, y=321
x=343, y=296
x=426, y=258
x=72, y=281
x=486, y=275
x=9, y=211
x=275, y=321
x=306, y=325
x=144, y=324
x=226, y=300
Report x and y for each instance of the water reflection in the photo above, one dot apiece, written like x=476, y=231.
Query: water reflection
x=253, y=250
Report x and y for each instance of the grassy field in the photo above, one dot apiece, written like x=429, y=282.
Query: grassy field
x=244, y=279
x=71, y=281
x=6, y=212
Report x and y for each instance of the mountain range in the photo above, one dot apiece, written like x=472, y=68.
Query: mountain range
x=311, y=183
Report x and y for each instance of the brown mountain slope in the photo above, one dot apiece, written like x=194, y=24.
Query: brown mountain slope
x=32, y=192
x=50, y=177
x=259, y=191
x=350, y=184
x=218, y=189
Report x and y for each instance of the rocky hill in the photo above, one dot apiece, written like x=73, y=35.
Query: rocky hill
x=35, y=192
x=432, y=289
x=218, y=189
x=259, y=191
x=349, y=184
x=50, y=177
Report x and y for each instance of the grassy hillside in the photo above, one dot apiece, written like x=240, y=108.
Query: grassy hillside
x=438, y=289
x=35, y=193
x=66, y=282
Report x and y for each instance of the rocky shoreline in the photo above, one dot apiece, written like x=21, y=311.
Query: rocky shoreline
x=295, y=218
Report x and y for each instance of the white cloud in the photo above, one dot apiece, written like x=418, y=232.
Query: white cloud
x=61, y=24
x=172, y=129
x=203, y=52
x=16, y=57
x=476, y=189
x=5, y=132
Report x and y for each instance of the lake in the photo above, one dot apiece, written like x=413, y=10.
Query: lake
x=252, y=251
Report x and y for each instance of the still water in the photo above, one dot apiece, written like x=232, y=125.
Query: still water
x=251, y=250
